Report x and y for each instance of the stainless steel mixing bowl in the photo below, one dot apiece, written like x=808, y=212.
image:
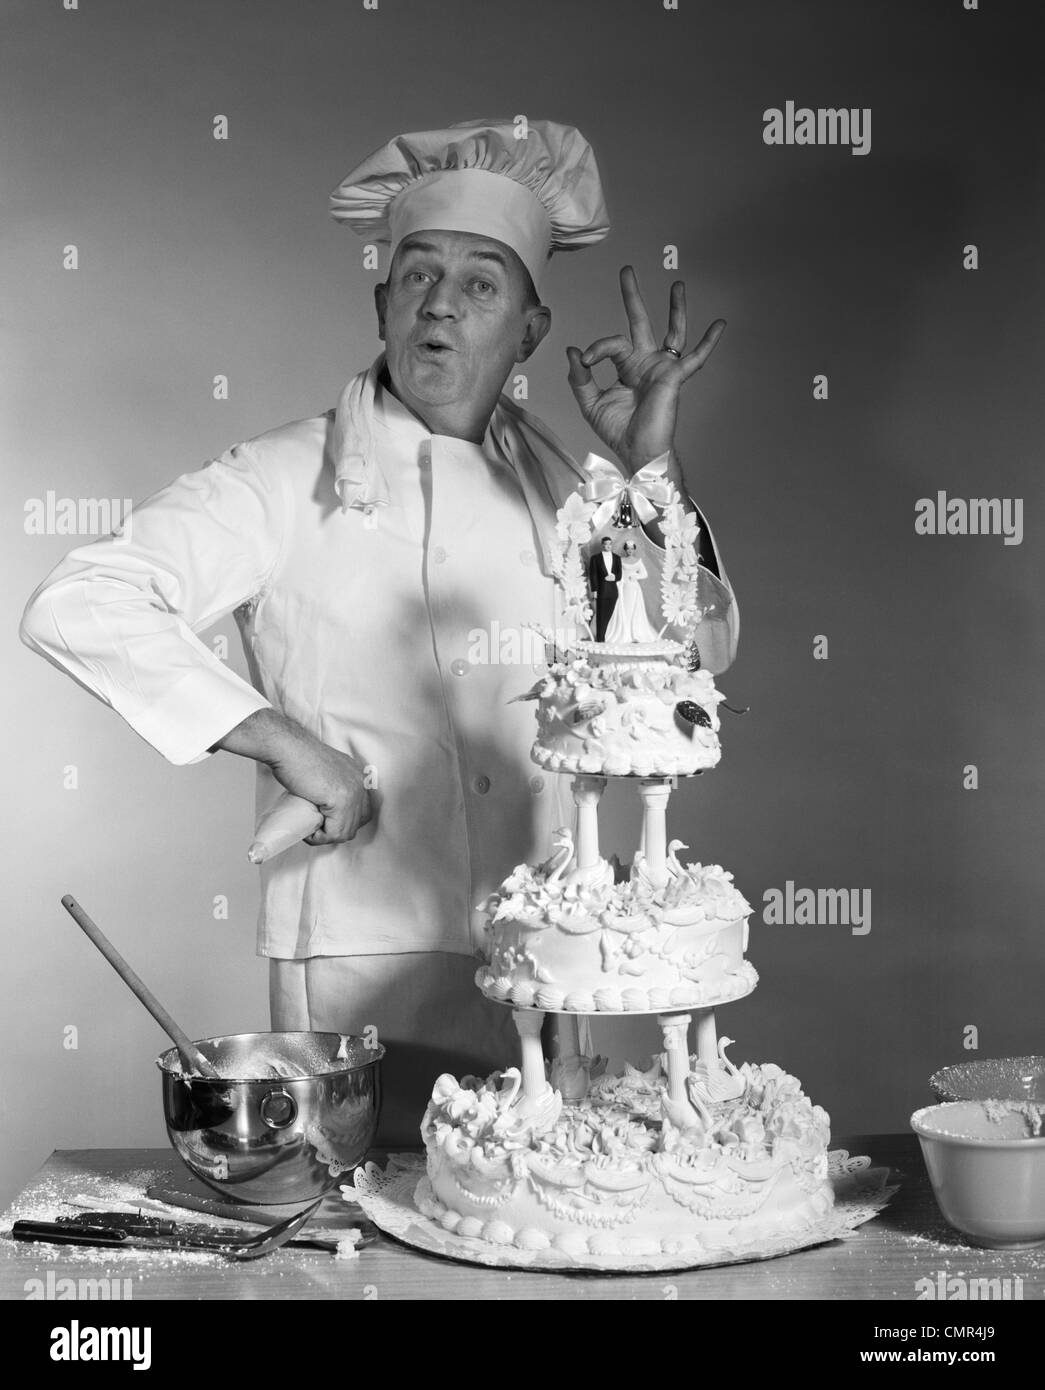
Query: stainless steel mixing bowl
x=261, y=1136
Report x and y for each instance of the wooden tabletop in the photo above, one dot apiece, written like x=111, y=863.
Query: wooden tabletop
x=883, y=1259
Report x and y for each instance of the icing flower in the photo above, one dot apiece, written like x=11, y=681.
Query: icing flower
x=582, y=1136
x=679, y=524
x=486, y=1124
x=748, y=1128
x=445, y=1087
x=520, y=877
x=623, y=1139
x=574, y=918
x=573, y=522
x=596, y=1136
x=460, y=1105
x=674, y=609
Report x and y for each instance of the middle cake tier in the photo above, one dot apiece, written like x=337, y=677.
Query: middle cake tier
x=601, y=946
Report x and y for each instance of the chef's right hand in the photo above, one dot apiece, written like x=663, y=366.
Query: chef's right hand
x=334, y=783
x=309, y=768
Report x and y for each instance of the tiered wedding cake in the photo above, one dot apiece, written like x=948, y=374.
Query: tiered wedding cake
x=694, y=1154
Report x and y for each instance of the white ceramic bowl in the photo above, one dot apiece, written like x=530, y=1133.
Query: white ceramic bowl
x=988, y=1175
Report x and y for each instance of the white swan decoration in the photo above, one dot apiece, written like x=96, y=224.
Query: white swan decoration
x=723, y=1043
x=597, y=875
x=675, y=868
x=518, y=1113
x=720, y=1081
x=562, y=852
x=690, y=1115
x=640, y=872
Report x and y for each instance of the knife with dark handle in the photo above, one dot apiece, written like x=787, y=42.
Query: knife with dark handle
x=64, y=1234
x=134, y=1223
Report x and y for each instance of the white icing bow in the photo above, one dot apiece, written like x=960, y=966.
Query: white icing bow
x=607, y=486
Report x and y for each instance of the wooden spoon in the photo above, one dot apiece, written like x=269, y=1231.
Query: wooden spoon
x=192, y=1059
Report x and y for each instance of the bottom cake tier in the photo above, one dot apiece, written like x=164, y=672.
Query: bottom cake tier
x=625, y=1171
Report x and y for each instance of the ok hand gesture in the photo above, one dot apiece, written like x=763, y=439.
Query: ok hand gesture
x=636, y=415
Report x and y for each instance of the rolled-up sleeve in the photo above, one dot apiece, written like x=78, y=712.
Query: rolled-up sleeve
x=719, y=632
x=121, y=614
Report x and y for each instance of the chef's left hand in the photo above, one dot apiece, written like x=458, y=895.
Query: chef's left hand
x=635, y=417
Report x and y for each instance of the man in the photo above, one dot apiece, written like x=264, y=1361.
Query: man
x=604, y=572
x=360, y=551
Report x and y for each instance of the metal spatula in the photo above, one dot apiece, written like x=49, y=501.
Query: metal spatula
x=168, y=1237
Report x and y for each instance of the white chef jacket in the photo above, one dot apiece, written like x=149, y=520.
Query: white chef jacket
x=362, y=623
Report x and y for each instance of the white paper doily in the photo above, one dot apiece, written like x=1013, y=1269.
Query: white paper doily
x=386, y=1195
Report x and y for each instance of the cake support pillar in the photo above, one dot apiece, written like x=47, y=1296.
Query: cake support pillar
x=568, y=1069
x=655, y=792
x=528, y=1025
x=675, y=1028
x=707, y=1041
x=587, y=793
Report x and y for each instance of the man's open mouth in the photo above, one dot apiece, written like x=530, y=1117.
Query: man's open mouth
x=433, y=346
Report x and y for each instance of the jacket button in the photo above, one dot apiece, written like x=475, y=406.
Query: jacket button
x=459, y=667
x=536, y=785
x=482, y=785
x=527, y=557
x=439, y=555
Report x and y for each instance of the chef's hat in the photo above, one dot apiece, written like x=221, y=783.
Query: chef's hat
x=533, y=185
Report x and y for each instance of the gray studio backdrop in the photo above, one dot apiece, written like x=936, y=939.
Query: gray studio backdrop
x=200, y=257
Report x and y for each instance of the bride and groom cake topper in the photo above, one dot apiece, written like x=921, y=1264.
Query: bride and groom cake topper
x=616, y=586
x=601, y=591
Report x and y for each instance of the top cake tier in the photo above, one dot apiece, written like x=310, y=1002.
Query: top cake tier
x=623, y=697
x=642, y=713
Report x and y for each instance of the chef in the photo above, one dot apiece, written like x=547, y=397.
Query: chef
x=362, y=552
